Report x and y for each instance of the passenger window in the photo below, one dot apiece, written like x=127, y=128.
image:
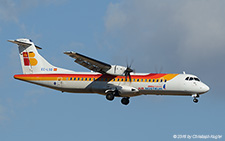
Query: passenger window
x=157, y=80
x=161, y=80
x=85, y=79
x=118, y=79
x=89, y=79
x=149, y=80
x=153, y=80
x=74, y=78
x=81, y=79
x=137, y=80
x=121, y=79
x=141, y=80
x=134, y=80
x=165, y=80
x=78, y=78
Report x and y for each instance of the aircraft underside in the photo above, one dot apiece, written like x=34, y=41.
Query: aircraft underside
x=125, y=97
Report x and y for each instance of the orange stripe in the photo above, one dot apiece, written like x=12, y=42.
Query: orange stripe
x=54, y=77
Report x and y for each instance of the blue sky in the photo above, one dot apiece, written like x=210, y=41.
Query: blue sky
x=172, y=36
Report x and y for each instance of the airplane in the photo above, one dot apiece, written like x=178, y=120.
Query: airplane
x=105, y=79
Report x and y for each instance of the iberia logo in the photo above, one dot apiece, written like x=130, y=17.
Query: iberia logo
x=28, y=59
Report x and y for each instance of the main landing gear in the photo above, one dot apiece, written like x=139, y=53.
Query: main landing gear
x=111, y=95
x=125, y=100
x=195, y=96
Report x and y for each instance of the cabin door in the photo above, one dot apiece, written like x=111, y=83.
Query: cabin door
x=59, y=82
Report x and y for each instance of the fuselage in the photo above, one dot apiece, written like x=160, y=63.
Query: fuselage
x=141, y=83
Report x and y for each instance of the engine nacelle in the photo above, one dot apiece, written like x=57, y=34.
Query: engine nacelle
x=116, y=70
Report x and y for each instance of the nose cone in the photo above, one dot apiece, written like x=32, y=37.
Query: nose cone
x=205, y=88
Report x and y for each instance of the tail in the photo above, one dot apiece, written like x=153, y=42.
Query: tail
x=32, y=62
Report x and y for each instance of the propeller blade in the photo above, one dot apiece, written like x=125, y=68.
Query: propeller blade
x=115, y=69
x=128, y=70
x=129, y=78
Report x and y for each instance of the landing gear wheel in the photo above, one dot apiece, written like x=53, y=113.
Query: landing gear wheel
x=110, y=96
x=125, y=100
x=195, y=100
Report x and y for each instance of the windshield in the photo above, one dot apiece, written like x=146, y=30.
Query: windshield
x=192, y=78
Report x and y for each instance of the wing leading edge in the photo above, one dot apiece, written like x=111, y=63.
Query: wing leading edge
x=89, y=63
x=99, y=66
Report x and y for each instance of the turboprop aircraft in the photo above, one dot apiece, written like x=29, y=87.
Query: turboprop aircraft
x=105, y=79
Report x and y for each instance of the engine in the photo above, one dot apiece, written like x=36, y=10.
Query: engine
x=116, y=70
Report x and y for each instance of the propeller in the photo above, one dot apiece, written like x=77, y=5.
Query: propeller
x=157, y=68
x=115, y=69
x=128, y=71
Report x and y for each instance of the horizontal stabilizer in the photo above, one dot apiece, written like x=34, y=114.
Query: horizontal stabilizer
x=23, y=43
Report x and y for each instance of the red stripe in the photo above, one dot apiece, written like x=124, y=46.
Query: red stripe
x=151, y=75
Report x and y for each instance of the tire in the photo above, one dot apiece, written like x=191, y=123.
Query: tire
x=125, y=101
x=110, y=96
x=195, y=100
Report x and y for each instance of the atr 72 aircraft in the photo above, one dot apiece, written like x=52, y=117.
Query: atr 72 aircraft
x=109, y=80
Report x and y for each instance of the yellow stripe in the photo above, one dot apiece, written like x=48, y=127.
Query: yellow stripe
x=169, y=76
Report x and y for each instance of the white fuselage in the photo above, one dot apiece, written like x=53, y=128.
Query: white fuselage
x=159, y=84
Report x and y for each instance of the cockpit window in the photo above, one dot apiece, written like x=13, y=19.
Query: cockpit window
x=197, y=79
x=192, y=78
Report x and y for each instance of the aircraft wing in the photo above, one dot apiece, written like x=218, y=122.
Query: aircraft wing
x=89, y=63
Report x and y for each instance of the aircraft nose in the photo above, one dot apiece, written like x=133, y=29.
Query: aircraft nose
x=205, y=88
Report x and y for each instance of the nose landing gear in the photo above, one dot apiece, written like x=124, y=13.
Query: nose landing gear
x=195, y=100
x=195, y=96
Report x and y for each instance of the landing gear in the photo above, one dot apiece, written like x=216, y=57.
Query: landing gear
x=195, y=100
x=110, y=96
x=125, y=100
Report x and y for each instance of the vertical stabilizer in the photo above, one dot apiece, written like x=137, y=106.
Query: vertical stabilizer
x=32, y=62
